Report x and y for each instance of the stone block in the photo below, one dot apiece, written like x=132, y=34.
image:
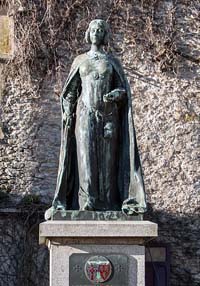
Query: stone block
x=65, y=238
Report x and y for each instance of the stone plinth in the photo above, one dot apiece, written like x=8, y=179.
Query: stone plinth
x=65, y=238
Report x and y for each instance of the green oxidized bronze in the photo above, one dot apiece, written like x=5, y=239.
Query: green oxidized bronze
x=99, y=167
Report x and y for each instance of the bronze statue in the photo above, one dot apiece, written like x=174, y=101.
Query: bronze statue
x=99, y=167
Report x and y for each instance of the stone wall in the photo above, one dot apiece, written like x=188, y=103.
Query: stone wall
x=22, y=261
x=158, y=45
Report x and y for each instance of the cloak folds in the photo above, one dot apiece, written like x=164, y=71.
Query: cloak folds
x=129, y=177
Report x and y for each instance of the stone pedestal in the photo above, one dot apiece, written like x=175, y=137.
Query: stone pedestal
x=123, y=238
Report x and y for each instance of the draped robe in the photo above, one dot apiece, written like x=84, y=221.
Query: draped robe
x=116, y=184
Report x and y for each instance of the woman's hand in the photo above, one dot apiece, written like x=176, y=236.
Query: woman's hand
x=114, y=96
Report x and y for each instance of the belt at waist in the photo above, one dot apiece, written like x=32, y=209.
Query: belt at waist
x=99, y=110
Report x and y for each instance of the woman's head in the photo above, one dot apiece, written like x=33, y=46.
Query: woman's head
x=97, y=32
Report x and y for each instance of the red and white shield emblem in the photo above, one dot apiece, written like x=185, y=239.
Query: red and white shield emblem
x=98, y=269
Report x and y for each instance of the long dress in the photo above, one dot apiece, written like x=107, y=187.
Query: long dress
x=99, y=164
x=97, y=137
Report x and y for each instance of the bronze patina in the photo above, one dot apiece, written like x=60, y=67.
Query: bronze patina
x=99, y=167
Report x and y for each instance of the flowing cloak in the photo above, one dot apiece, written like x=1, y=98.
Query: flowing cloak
x=130, y=180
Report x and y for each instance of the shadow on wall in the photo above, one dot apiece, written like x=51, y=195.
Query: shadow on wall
x=181, y=233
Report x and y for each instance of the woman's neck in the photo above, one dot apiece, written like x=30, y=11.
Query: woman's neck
x=96, y=49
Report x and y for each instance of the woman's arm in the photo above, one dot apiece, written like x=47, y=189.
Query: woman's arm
x=71, y=94
x=118, y=93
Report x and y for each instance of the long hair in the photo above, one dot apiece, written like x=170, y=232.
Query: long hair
x=102, y=24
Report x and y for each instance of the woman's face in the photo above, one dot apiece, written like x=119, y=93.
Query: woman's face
x=96, y=34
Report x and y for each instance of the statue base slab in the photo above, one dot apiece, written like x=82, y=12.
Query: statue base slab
x=70, y=241
x=94, y=215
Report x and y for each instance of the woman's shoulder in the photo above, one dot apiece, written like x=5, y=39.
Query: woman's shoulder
x=78, y=60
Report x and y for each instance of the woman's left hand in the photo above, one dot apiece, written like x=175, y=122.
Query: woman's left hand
x=111, y=96
x=114, y=95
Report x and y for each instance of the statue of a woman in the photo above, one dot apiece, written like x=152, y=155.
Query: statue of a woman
x=99, y=166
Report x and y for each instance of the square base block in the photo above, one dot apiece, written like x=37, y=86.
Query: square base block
x=60, y=254
x=104, y=238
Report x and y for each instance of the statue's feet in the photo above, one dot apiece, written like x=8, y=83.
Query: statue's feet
x=88, y=207
x=52, y=210
x=60, y=207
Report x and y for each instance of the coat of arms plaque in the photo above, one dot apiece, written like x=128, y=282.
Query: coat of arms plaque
x=98, y=269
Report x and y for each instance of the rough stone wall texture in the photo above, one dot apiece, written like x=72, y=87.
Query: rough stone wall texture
x=22, y=261
x=158, y=44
